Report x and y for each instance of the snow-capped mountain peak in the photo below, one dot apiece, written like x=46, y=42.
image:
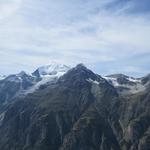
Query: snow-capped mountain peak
x=47, y=74
x=125, y=84
x=51, y=69
x=120, y=79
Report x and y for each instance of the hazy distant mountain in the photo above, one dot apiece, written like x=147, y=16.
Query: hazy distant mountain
x=125, y=84
x=21, y=84
x=51, y=69
x=77, y=110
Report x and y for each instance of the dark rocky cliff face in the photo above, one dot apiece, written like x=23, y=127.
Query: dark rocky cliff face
x=14, y=85
x=81, y=111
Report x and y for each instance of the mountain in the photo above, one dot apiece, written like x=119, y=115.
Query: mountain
x=80, y=110
x=13, y=85
x=126, y=85
x=48, y=74
x=22, y=83
x=146, y=80
x=51, y=69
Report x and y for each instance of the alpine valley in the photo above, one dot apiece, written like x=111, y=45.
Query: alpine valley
x=62, y=108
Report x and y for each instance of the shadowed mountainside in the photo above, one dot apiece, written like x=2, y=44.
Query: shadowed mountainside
x=80, y=111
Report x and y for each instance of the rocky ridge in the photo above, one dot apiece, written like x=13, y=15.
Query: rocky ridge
x=80, y=110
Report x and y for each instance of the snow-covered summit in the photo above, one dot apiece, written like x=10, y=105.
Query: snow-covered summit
x=51, y=69
x=125, y=84
x=47, y=74
x=18, y=77
x=120, y=79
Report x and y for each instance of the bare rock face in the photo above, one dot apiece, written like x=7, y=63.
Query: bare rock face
x=80, y=111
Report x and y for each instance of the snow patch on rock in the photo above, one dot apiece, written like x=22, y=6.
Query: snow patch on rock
x=127, y=88
x=93, y=81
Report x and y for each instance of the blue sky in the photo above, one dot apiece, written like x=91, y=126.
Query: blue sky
x=109, y=36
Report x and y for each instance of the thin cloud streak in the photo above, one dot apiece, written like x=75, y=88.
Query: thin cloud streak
x=93, y=35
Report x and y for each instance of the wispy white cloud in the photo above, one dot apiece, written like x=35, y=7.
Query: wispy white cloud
x=32, y=32
x=9, y=7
